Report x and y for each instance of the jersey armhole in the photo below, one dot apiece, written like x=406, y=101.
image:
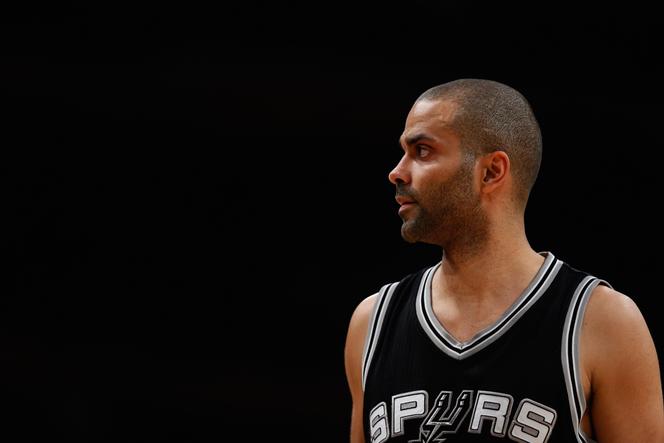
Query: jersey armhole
x=375, y=325
x=570, y=352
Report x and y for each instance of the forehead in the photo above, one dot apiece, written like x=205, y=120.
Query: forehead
x=430, y=117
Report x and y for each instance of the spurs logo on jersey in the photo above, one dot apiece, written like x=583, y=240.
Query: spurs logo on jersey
x=439, y=421
x=491, y=413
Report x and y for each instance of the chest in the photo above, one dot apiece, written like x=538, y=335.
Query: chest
x=482, y=376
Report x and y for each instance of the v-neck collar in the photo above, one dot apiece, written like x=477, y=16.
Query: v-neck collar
x=460, y=350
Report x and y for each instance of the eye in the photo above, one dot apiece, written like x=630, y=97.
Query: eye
x=422, y=151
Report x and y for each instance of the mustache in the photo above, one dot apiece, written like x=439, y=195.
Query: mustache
x=403, y=191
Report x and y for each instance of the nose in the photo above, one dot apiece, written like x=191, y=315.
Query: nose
x=400, y=173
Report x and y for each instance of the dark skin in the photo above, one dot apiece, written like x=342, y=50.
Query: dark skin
x=468, y=208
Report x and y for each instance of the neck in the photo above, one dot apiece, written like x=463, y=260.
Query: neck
x=498, y=268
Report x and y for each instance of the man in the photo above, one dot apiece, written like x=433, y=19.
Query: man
x=496, y=342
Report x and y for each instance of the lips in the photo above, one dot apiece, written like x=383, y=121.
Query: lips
x=403, y=200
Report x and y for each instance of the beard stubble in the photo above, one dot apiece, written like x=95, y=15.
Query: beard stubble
x=448, y=214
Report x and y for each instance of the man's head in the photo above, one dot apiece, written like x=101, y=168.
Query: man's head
x=492, y=116
x=467, y=143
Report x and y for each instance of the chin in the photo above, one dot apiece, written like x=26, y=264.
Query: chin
x=408, y=234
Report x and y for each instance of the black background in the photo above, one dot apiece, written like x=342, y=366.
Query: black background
x=197, y=196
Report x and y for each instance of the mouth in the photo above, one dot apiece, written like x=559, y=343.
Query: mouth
x=402, y=200
x=404, y=204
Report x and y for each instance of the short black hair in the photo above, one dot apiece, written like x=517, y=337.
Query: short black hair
x=492, y=116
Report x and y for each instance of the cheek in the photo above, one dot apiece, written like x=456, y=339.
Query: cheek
x=432, y=194
x=427, y=180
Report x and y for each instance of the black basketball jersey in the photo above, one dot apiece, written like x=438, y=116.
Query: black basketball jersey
x=517, y=380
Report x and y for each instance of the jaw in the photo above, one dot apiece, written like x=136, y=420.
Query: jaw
x=446, y=230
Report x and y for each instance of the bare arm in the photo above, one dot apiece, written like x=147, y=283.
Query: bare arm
x=620, y=360
x=357, y=332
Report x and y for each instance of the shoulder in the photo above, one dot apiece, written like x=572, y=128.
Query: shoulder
x=612, y=314
x=364, y=311
x=620, y=358
x=359, y=321
x=615, y=335
x=355, y=339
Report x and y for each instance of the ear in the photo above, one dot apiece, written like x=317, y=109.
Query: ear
x=495, y=168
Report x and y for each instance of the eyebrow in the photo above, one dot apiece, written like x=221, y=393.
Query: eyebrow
x=416, y=138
